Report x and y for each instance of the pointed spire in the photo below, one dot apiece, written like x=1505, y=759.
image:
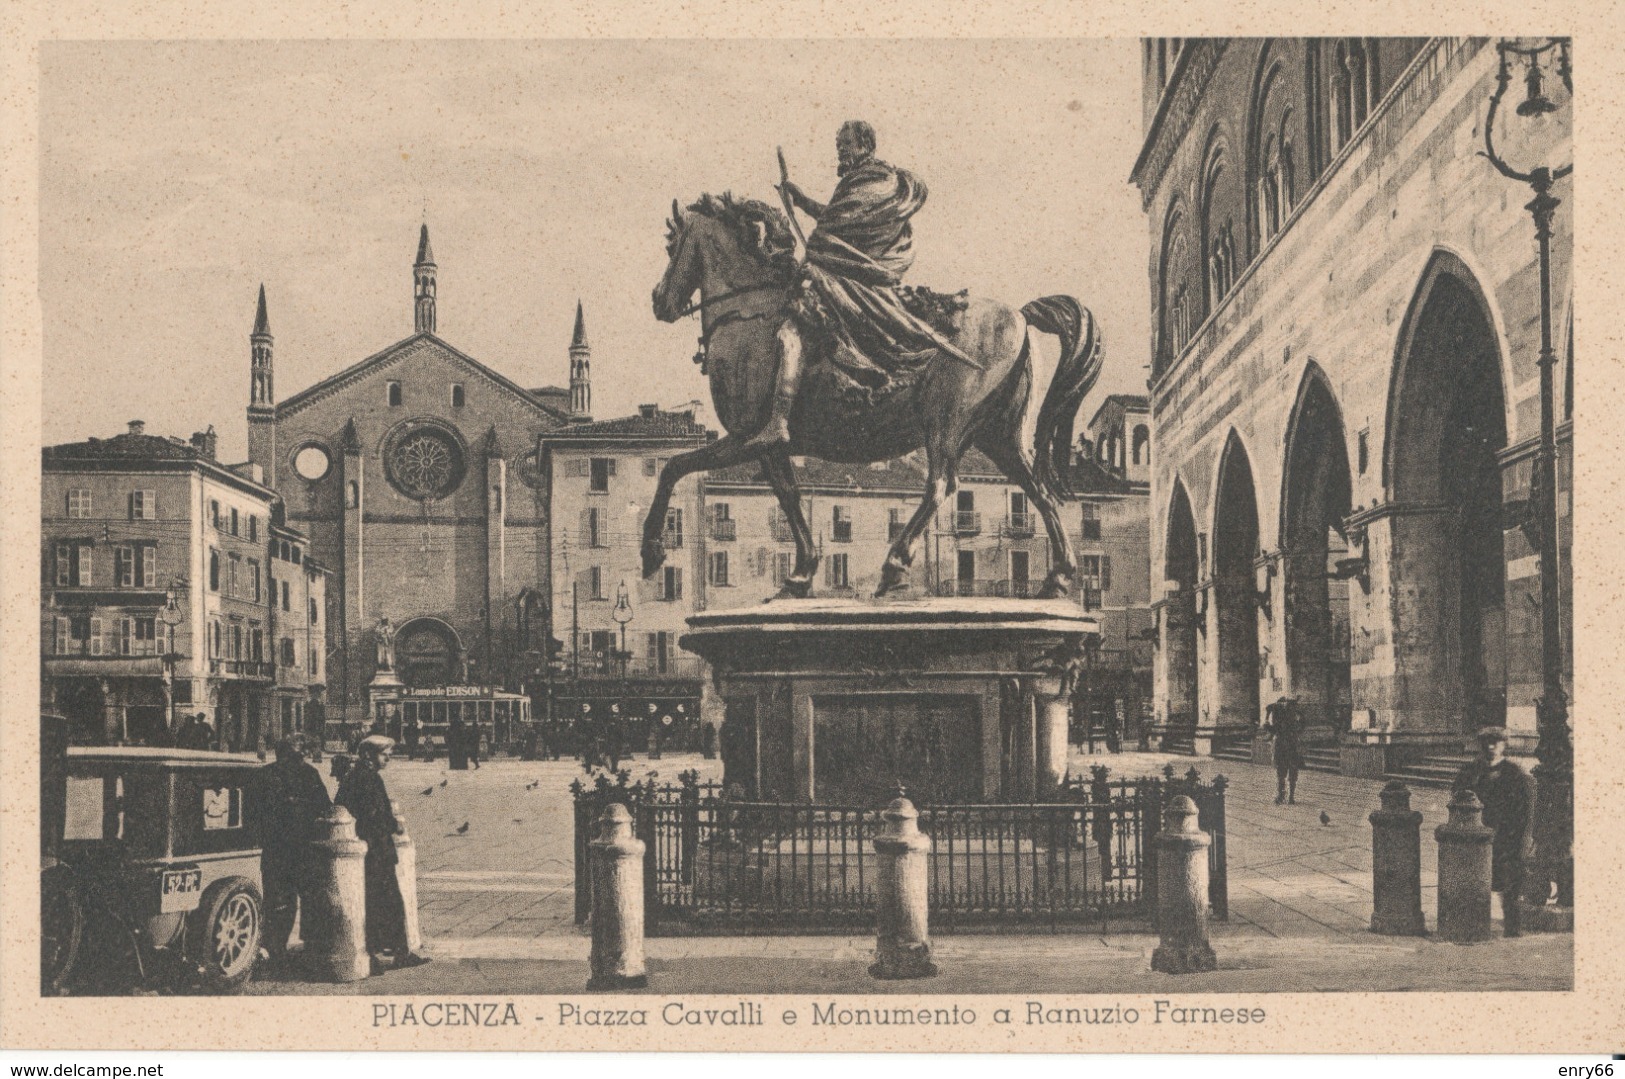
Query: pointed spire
x=349, y=438
x=579, y=338
x=423, y=285
x=262, y=323
x=493, y=444
x=425, y=252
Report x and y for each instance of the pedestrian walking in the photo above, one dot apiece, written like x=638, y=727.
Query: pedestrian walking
x=363, y=793
x=457, y=744
x=1507, y=793
x=472, y=734
x=1284, y=724
x=291, y=800
x=412, y=732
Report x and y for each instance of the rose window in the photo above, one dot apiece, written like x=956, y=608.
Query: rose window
x=425, y=464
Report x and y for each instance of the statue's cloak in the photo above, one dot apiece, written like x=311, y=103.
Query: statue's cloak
x=856, y=259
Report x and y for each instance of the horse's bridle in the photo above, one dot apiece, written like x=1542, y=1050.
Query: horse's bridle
x=702, y=354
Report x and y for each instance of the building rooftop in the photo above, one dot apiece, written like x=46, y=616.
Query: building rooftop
x=1085, y=474
x=649, y=422
x=900, y=474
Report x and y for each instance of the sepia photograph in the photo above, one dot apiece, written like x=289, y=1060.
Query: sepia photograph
x=821, y=533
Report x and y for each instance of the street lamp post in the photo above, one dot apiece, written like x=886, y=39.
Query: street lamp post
x=172, y=616
x=1554, y=806
x=622, y=615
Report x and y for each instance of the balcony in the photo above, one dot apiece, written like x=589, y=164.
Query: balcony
x=1019, y=525
x=967, y=523
x=1015, y=589
x=724, y=530
x=606, y=669
x=965, y=588
x=242, y=668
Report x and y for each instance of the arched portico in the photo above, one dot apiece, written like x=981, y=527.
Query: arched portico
x=1178, y=621
x=1234, y=621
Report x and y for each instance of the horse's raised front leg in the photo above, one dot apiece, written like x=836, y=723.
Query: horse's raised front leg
x=725, y=451
x=782, y=475
x=939, y=484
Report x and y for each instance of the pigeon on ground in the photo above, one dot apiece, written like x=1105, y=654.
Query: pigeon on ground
x=443, y=782
x=1325, y=818
x=462, y=829
x=428, y=790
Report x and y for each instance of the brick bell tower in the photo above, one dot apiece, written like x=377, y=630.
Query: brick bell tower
x=580, y=371
x=261, y=395
x=423, y=285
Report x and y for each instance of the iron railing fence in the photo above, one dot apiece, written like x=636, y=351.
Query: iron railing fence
x=718, y=865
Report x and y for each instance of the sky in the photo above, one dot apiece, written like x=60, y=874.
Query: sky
x=177, y=177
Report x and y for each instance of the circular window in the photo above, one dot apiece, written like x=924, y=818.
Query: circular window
x=424, y=462
x=312, y=463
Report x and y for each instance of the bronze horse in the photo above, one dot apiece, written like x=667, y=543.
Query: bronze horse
x=739, y=255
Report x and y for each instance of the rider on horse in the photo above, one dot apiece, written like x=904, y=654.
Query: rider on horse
x=848, y=290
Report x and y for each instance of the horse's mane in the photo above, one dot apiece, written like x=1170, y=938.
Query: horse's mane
x=773, y=244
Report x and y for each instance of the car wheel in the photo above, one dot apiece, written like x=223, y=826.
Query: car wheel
x=62, y=928
x=224, y=935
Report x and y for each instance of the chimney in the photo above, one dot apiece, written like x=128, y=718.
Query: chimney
x=648, y=411
x=204, y=442
x=138, y=427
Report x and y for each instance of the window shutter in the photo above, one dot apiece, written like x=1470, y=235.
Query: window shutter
x=677, y=584
x=829, y=572
x=578, y=468
x=96, y=631
x=87, y=561
x=1105, y=573
x=761, y=561
x=648, y=466
x=149, y=565
x=611, y=466
x=61, y=636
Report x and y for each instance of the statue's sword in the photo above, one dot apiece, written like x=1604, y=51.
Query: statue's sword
x=789, y=207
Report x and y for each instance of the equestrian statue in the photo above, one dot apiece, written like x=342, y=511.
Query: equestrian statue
x=830, y=355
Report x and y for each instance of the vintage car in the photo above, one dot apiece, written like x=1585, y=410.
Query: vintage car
x=156, y=870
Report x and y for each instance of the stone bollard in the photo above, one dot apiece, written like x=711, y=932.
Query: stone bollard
x=406, y=875
x=1396, y=865
x=902, y=889
x=333, y=919
x=1464, y=872
x=1182, y=893
x=617, y=904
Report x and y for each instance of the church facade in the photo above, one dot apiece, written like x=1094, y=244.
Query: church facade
x=414, y=474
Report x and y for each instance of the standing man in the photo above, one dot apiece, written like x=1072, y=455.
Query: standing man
x=456, y=744
x=412, y=730
x=292, y=801
x=1508, y=795
x=1282, y=723
x=363, y=793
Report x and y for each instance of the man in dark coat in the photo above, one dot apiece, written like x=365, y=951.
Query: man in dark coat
x=363, y=793
x=457, y=744
x=412, y=731
x=1282, y=723
x=1508, y=795
x=292, y=799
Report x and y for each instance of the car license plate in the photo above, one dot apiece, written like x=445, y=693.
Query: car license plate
x=182, y=889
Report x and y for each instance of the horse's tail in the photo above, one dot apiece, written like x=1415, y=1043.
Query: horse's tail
x=1081, y=354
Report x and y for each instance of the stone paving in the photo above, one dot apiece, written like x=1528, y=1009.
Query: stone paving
x=497, y=905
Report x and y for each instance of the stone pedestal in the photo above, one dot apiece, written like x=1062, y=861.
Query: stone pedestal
x=332, y=920
x=1396, y=865
x=406, y=875
x=902, y=894
x=1464, y=872
x=384, y=691
x=1054, y=721
x=849, y=698
x=617, y=904
x=1182, y=900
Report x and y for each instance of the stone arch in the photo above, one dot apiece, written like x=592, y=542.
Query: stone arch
x=1447, y=424
x=1219, y=211
x=1316, y=500
x=1235, y=550
x=428, y=652
x=1142, y=444
x=1179, y=290
x=1181, y=572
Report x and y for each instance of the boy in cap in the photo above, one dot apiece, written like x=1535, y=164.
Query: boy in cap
x=1508, y=795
